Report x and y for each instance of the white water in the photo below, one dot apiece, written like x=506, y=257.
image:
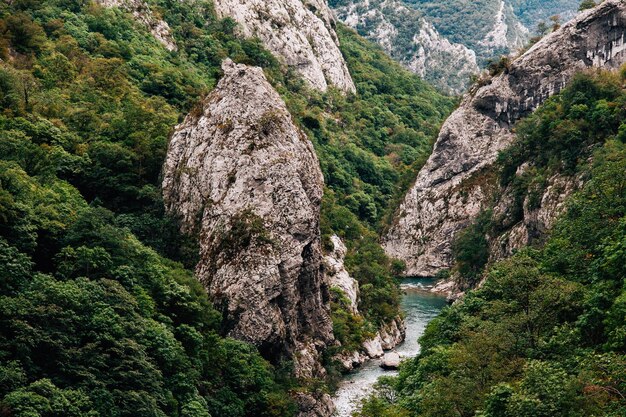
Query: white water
x=420, y=307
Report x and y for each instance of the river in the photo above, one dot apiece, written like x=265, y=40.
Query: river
x=420, y=307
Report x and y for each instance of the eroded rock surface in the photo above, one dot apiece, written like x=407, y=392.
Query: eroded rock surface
x=457, y=182
x=241, y=174
x=339, y=277
x=142, y=13
x=391, y=360
x=300, y=32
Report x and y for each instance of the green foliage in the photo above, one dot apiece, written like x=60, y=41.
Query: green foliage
x=563, y=132
x=471, y=248
x=544, y=335
x=586, y=4
x=93, y=322
x=367, y=262
x=96, y=317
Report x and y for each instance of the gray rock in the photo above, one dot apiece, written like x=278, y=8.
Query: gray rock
x=300, y=32
x=536, y=221
x=388, y=336
x=392, y=334
x=338, y=276
x=241, y=174
x=374, y=347
x=391, y=360
x=352, y=360
x=315, y=405
x=142, y=13
x=457, y=182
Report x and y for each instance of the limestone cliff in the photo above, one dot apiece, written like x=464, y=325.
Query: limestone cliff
x=300, y=32
x=457, y=182
x=413, y=41
x=142, y=13
x=339, y=277
x=241, y=174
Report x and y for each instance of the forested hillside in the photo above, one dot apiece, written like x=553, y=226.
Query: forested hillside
x=545, y=333
x=99, y=311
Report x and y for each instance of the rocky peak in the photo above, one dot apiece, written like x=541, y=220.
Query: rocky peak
x=142, y=13
x=240, y=173
x=456, y=182
x=300, y=32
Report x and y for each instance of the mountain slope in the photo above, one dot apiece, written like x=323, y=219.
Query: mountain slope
x=457, y=182
x=467, y=33
x=413, y=41
x=544, y=334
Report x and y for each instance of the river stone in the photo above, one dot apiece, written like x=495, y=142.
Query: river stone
x=391, y=360
x=373, y=347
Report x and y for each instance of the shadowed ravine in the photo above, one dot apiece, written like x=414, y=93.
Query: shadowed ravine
x=420, y=307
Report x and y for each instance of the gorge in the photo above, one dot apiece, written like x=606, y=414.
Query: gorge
x=243, y=208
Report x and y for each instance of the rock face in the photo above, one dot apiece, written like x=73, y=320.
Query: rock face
x=248, y=181
x=413, y=41
x=142, y=13
x=537, y=219
x=506, y=34
x=300, y=32
x=457, y=182
x=387, y=338
x=339, y=277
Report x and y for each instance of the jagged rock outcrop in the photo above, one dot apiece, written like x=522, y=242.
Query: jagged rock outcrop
x=243, y=176
x=142, y=13
x=339, y=277
x=387, y=338
x=300, y=32
x=413, y=41
x=458, y=181
x=537, y=217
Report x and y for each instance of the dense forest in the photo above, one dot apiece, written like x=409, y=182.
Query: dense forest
x=545, y=335
x=100, y=314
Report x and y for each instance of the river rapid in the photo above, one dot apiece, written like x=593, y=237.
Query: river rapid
x=420, y=307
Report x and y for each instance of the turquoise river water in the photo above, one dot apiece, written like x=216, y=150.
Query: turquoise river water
x=420, y=307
